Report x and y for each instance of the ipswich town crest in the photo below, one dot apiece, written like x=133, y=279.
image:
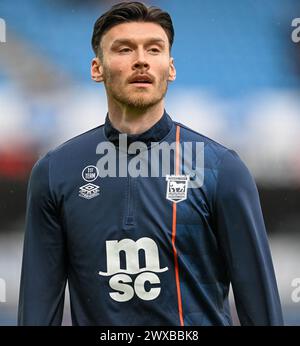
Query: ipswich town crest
x=177, y=187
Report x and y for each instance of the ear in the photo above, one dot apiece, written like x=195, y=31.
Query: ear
x=97, y=70
x=172, y=70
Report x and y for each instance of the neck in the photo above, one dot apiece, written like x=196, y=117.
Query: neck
x=134, y=120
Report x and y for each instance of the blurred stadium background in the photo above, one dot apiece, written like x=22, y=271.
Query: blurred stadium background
x=238, y=82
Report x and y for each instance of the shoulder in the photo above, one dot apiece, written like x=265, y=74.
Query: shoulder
x=224, y=162
x=74, y=147
x=81, y=141
x=214, y=151
x=69, y=151
x=234, y=177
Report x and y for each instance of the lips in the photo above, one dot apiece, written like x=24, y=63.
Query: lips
x=141, y=79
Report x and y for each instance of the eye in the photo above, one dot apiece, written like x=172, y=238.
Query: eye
x=154, y=50
x=125, y=50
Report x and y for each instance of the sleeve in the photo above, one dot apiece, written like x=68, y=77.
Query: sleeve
x=43, y=276
x=243, y=240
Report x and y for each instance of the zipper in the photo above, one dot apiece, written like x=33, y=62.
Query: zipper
x=129, y=208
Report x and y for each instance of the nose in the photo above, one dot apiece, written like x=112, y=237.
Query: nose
x=141, y=62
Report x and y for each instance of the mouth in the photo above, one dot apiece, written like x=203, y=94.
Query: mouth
x=141, y=81
x=141, y=84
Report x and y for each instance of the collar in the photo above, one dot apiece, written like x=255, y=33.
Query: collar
x=155, y=134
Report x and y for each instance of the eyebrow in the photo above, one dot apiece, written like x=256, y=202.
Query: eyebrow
x=152, y=40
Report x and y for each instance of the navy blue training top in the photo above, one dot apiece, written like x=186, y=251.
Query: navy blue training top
x=142, y=249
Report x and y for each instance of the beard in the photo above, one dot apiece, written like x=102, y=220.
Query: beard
x=140, y=98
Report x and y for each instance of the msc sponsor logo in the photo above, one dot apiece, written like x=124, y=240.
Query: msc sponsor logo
x=121, y=281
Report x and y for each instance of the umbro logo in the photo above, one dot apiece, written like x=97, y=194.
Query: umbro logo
x=89, y=191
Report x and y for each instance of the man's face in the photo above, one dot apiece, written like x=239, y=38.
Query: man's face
x=136, y=65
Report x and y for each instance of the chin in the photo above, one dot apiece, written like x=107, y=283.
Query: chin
x=140, y=99
x=142, y=102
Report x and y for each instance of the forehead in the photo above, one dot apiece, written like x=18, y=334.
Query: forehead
x=134, y=31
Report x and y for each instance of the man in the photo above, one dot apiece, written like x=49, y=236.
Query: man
x=143, y=236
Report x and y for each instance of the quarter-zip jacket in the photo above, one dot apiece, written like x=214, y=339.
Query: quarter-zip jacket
x=131, y=255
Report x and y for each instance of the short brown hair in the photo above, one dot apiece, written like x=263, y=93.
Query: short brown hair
x=126, y=12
